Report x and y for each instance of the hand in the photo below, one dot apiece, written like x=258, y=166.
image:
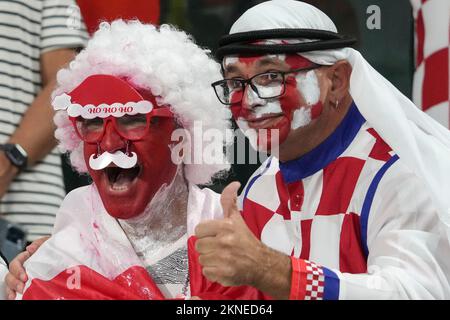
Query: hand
x=229, y=252
x=7, y=173
x=231, y=255
x=16, y=278
x=32, y=248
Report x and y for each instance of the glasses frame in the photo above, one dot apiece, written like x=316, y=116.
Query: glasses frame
x=157, y=112
x=245, y=82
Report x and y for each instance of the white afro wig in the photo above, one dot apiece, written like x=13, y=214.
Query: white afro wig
x=165, y=61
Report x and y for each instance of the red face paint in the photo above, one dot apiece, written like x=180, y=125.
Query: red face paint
x=126, y=192
x=297, y=62
x=277, y=119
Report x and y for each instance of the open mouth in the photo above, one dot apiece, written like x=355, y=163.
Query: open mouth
x=121, y=179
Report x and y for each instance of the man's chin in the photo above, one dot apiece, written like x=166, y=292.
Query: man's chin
x=269, y=140
x=121, y=203
x=124, y=211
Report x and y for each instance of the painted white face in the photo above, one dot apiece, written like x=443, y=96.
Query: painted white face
x=296, y=108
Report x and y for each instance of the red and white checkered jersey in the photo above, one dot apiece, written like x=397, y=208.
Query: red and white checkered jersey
x=431, y=79
x=356, y=222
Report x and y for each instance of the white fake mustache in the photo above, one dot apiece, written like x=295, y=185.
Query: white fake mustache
x=120, y=159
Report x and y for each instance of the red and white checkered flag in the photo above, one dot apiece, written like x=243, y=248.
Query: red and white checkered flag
x=432, y=38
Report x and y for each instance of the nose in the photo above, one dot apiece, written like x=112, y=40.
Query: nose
x=250, y=99
x=111, y=140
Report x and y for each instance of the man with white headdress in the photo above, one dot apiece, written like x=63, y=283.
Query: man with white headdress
x=354, y=201
x=119, y=105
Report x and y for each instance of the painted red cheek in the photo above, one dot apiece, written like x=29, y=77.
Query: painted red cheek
x=267, y=139
x=290, y=101
x=296, y=62
x=316, y=110
x=235, y=111
x=236, y=108
x=236, y=97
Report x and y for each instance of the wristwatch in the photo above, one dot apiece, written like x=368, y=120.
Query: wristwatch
x=16, y=154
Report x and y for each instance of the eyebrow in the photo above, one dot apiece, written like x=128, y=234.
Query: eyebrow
x=231, y=69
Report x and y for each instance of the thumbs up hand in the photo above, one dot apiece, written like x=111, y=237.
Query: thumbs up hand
x=229, y=252
x=228, y=200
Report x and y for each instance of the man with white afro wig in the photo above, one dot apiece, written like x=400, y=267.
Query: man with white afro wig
x=355, y=202
x=120, y=104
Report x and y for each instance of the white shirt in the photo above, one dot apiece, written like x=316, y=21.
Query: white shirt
x=3, y=273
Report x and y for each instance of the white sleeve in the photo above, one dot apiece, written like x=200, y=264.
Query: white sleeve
x=3, y=272
x=62, y=26
x=408, y=251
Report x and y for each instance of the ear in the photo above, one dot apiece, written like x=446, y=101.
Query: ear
x=339, y=74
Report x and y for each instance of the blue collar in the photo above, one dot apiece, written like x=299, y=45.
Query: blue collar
x=326, y=152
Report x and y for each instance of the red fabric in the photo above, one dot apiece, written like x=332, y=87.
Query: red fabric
x=94, y=286
x=256, y=222
x=381, y=149
x=284, y=195
x=297, y=286
x=306, y=238
x=420, y=33
x=95, y=11
x=435, y=82
x=205, y=289
x=101, y=88
x=296, y=195
x=351, y=255
x=339, y=181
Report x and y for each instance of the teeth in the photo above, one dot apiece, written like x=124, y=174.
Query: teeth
x=119, y=188
x=120, y=180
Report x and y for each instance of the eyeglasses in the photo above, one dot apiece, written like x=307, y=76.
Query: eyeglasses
x=267, y=85
x=129, y=127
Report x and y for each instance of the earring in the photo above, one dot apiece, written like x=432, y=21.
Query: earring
x=336, y=106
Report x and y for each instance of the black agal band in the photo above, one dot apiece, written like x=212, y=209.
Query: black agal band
x=241, y=43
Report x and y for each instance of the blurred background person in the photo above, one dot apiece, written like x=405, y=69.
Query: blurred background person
x=37, y=37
